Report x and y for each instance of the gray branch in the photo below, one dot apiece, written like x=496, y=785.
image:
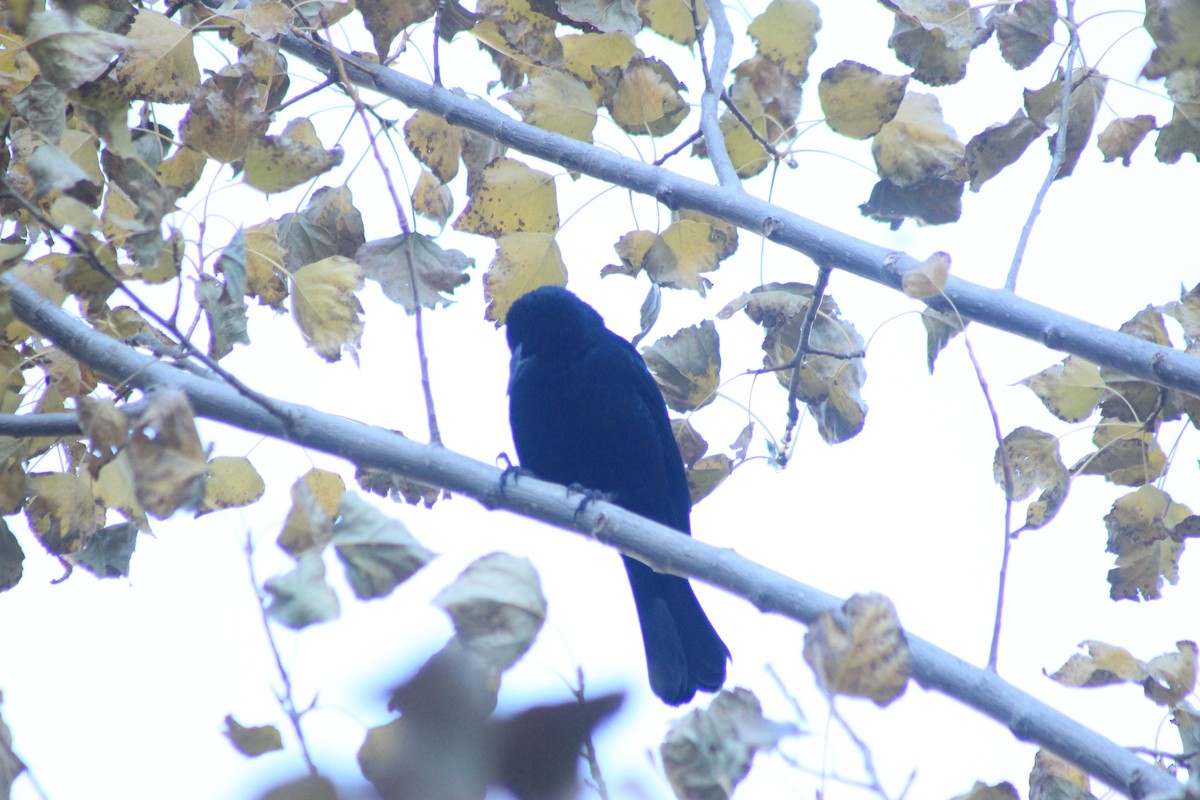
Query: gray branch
x=660, y=547
x=996, y=308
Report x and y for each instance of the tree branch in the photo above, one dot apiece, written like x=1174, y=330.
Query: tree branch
x=658, y=546
x=992, y=307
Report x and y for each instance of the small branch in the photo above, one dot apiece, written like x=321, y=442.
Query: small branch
x=994, y=651
x=714, y=89
x=589, y=748
x=658, y=546
x=1060, y=151
x=749, y=126
x=674, y=151
x=873, y=782
x=287, y=699
x=435, y=436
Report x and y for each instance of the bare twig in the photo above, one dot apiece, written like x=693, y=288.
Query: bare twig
x=1060, y=151
x=589, y=748
x=286, y=699
x=868, y=760
x=677, y=149
x=435, y=436
x=994, y=651
x=749, y=126
x=658, y=546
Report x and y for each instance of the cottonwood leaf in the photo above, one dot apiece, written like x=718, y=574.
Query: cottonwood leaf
x=1140, y=533
x=643, y=97
x=1177, y=137
x=691, y=444
x=301, y=597
x=232, y=482
x=165, y=455
x=329, y=225
x=224, y=304
x=1054, y=778
x=1026, y=31
x=264, y=255
x=927, y=279
x=114, y=488
x=108, y=551
x=277, y=163
x=438, y=272
x=12, y=558
x=1070, y=390
x=68, y=51
x=384, y=19
x=432, y=200
x=999, y=791
x=556, y=101
x=252, y=741
x=708, y=752
x=935, y=37
x=673, y=18
x=706, y=475
x=917, y=146
x=436, y=143
x=1126, y=454
x=860, y=650
x=225, y=115
x=1122, y=136
x=326, y=307
x=316, y=497
x=61, y=511
x=686, y=366
x=512, y=198
x=606, y=16
x=858, y=100
x=377, y=551
x=1087, y=94
x=497, y=607
x=935, y=202
x=523, y=262
x=582, y=51
x=266, y=19
x=106, y=428
x=999, y=146
x=1174, y=25
x=786, y=32
x=160, y=66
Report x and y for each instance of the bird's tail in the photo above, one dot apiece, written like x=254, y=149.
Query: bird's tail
x=683, y=651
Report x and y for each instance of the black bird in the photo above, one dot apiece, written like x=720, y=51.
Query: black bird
x=585, y=411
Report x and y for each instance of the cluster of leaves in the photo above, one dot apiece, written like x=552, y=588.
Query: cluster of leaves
x=1147, y=529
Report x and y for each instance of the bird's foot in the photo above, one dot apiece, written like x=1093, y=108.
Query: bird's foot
x=511, y=472
x=589, y=496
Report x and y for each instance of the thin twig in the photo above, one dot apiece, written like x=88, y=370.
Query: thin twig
x=714, y=89
x=287, y=699
x=435, y=436
x=994, y=651
x=1060, y=151
x=184, y=341
x=868, y=760
x=749, y=126
x=674, y=151
x=589, y=748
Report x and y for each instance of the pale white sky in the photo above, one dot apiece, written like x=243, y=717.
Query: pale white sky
x=120, y=686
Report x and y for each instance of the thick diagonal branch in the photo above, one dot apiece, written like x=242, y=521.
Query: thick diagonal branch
x=995, y=308
x=659, y=546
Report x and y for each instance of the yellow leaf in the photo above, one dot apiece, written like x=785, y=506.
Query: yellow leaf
x=325, y=306
x=432, y=199
x=70, y=52
x=523, y=262
x=225, y=115
x=556, y=101
x=436, y=143
x=786, y=32
x=643, y=97
x=582, y=51
x=512, y=198
x=161, y=66
x=276, y=163
x=927, y=279
x=316, y=496
x=858, y=100
x=687, y=366
x=265, y=278
x=252, y=741
x=861, y=652
x=62, y=511
x=917, y=146
x=694, y=249
x=232, y=482
x=673, y=18
x=1070, y=390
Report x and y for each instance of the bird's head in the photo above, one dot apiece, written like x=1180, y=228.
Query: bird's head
x=553, y=323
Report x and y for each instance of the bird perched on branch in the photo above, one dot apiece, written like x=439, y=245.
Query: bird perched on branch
x=586, y=412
